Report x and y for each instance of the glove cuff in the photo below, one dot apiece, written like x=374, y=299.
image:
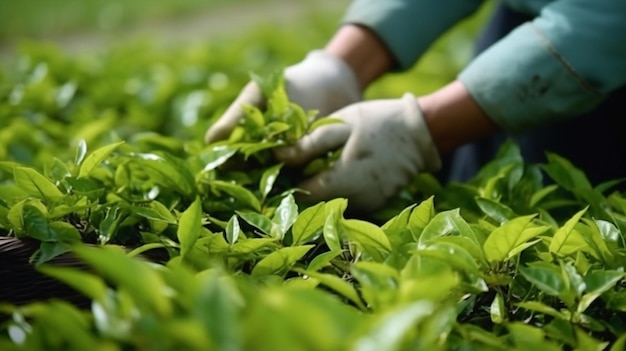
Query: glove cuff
x=423, y=139
x=340, y=68
x=324, y=82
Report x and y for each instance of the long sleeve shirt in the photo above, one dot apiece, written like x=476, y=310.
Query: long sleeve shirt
x=563, y=63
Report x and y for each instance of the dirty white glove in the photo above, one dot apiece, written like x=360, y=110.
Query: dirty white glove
x=320, y=82
x=385, y=144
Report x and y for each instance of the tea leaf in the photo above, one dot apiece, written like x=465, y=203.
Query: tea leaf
x=337, y=284
x=189, y=227
x=546, y=279
x=455, y=256
x=506, y=238
x=81, y=151
x=369, y=236
x=562, y=235
x=256, y=220
x=322, y=260
x=495, y=210
x=280, y=261
x=498, y=309
x=446, y=223
x=95, y=158
x=35, y=184
x=389, y=331
x=542, y=308
x=142, y=283
x=88, y=284
x=308, y=223
x=232, y=230
x=216, y=156
x=268, y=178
x=285, y=215
x=238, y=192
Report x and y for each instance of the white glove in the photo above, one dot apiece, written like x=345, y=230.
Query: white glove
x=385, y=144
x=320, y=82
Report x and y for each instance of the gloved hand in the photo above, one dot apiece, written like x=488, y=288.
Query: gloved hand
x=320, y=82
x=385, y=144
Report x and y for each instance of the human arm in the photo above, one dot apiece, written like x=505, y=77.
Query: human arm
x=562, y=64
x=369, y=43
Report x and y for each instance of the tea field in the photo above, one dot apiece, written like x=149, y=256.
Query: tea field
x=188, y=246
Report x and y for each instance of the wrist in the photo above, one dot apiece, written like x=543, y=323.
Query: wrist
x=365, y=54
x=454, y=118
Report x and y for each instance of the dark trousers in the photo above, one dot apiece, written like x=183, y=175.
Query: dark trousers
x=594, y=142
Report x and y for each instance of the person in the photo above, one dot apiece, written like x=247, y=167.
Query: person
x=548, y=73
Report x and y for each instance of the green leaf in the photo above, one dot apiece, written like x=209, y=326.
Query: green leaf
x=285, y=215
x=547, y=279
x=275, y=128
x=141, y=281
x=454, y=255
x=369, y=236
x=598, y=282
x=333, y=226
x=337, y=284
x=95, y=158
x=16, y=214
x=88, y=284
x=560, y=238
x=156, y=212
x=399, y=221
x=268, y=178
x=35, y=184
x=247, y=246
x=189, y=227
x=280, y=261
x=620, y=344
x=324, y=121
x=256, y=220
x=498, y=311
x=541, y=308
x=541, y=194
x=309, y=223
x=110, y=223
x=446, y=223
x=392, y=328
x=215, y=156
x=421, y=216
x=322, y=260
x=238, y=192
x=565, y=174
x=36, y=225
x=254, y=120
x=495, y=210
x=218, y=307
x=587, y=342
x=81, y=151
x=167, y=170
x=57, y=170
x=50, y=250
x=506, y=238
x=232, y=230
x=379, y=283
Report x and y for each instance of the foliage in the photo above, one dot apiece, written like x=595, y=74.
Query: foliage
x=523, y=256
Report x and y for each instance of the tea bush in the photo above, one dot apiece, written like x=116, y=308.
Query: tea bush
x=102, y=158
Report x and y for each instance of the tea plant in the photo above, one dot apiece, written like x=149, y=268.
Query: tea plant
x=522, y=256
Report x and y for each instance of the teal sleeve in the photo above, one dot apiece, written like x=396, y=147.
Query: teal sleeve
x=408, y=27
x=562, y=64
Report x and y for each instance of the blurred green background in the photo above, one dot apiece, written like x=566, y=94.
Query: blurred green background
x=83, y=27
